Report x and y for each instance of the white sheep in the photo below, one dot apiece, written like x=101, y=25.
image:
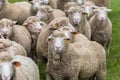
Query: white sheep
x=78, y=18
x=8, y=45
x=18, y=68
x=36, y=4
x=79, y=60
x=34, y=26
x=101, y=27
x=16, y=33
x=47, y=14
x=13, y=11
x=42, y=46
x=101, y=3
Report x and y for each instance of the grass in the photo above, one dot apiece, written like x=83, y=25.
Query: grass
x=113, y=64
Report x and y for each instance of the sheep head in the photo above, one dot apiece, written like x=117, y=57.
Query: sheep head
x=101, y=12
x=58, y=42
x=88, y=7
x=36, y=4
x=6, y=27
x=7, y=66
x=34, y=25
x=43, y=12
x=75, y=14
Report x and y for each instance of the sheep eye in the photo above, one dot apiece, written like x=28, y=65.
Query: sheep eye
x=41, y=24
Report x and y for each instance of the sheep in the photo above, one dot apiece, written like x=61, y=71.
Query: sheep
x=36, y=4
x=101, y=27
x=88, y=8
x=47, y=14
x=83, y=60
x=34, y=26
x=6, y=44
x=18, y=68
x=16, y=33
x=42, y=47
x=13, y=11
x=78, y=19
x=101, y=3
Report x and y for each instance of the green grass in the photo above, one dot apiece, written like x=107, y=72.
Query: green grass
x=113, y=64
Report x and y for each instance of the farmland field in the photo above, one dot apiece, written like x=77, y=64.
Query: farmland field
x=113, y=64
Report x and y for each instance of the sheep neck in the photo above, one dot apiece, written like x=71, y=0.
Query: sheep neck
x=57, y=62
x=4, y=9
x=79, y=27
x=100, y=25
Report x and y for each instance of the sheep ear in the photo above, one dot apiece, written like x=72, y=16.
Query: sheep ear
x=67, y=41
x=95, y=7
x=109, y=10
x=57, y=25
x=49, y=38
x=25, y=24
x=31, y=2
x=14, y=22
x=74, y=33
x=85, y=13
x=16, y=63
x=50, y=10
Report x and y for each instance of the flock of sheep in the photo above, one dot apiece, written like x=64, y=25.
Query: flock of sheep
x=71, y=37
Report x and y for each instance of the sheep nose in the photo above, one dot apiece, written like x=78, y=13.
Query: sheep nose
x=77, y=20
x=57, y=47
x=4, y=32
x=102, y=18
x=5, y=77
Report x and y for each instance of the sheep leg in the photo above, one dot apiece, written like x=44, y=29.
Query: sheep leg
x=106, y=46
x=48, y=77
x=101, y=74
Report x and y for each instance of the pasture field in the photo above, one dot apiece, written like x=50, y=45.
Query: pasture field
x=113, y=64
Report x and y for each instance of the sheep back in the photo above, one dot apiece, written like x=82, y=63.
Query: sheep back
x=22, y=36
x=28, y=70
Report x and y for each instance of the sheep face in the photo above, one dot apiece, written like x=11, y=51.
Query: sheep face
x=35, y=27
x=37, y=3
x=6, y=27
x=75, y=15
x=88, y=7
x=6, y=66
x=58, y=41
x=2, y=3
x=42, y=15
x=6, y=70
x=101, y=13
